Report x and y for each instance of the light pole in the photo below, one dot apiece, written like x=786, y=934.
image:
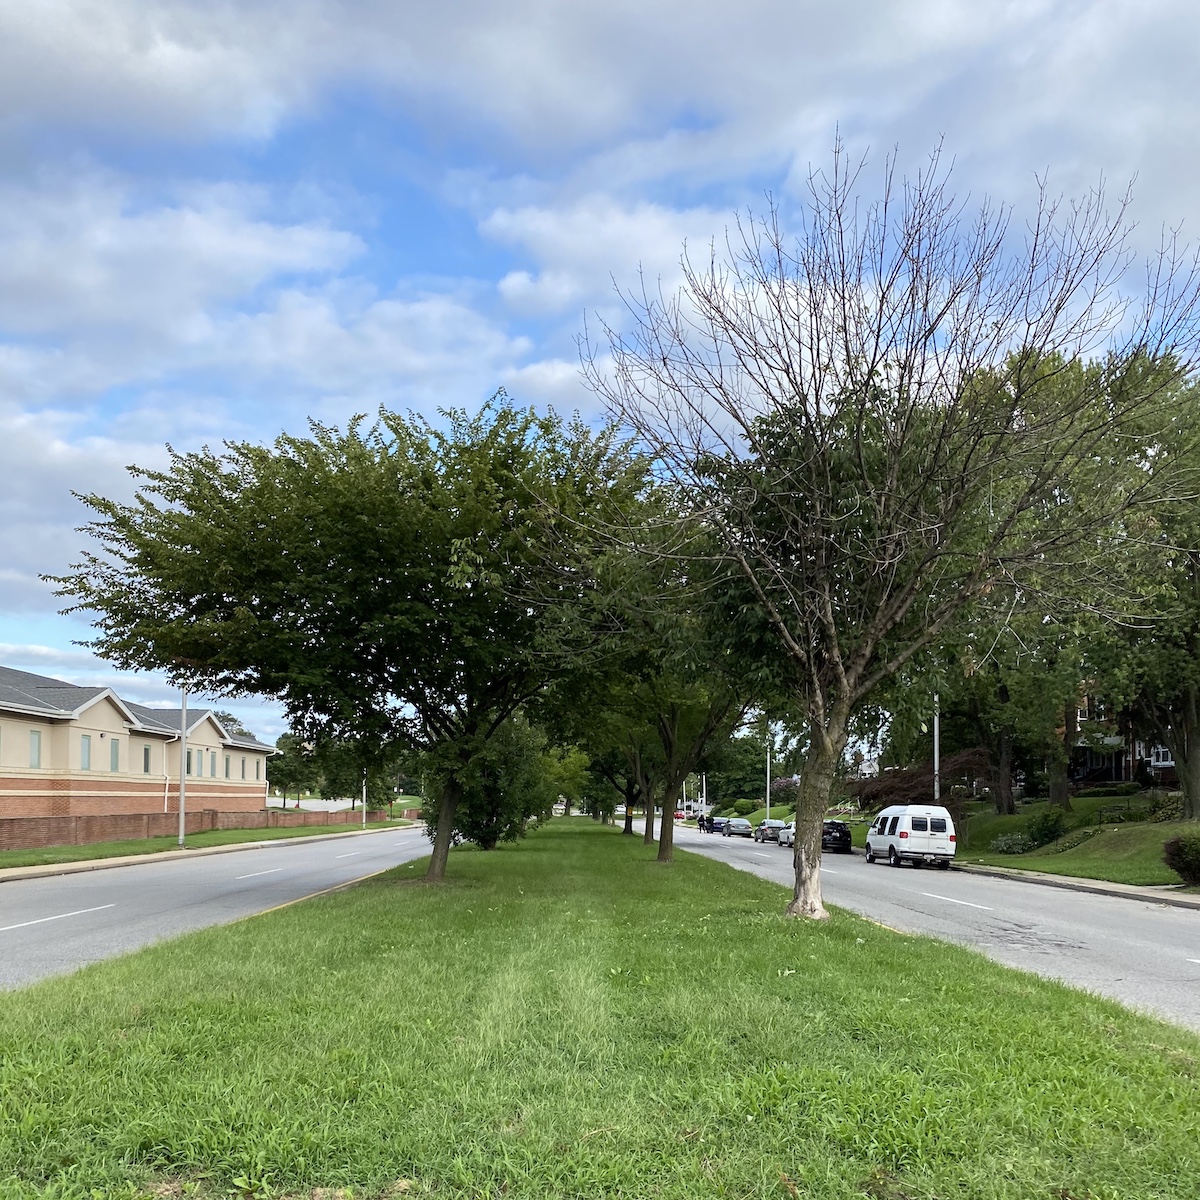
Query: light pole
x=364, y=819
x=937, y=750
x=183, y=753
x=768, y=817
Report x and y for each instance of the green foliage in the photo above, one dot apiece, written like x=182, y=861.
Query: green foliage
x=1011, y=843
x=440, y=1036
x=743, y=808
x=1182, y=855
x=511, y=781
x=1045, y=826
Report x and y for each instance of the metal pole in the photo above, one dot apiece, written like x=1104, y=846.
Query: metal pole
x=768, y=772
x=183, y=753
x=704, y=793
x=364, y=823
x=937, y=750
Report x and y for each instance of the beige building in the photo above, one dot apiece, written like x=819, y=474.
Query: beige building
x=80, y=751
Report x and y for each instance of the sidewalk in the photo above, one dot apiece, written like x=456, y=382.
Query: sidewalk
x=8, y=874
x=1101, y=887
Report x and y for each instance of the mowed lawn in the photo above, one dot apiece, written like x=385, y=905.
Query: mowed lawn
x=567, y=1018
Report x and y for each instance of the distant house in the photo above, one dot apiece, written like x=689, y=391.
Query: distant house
x=83, y=751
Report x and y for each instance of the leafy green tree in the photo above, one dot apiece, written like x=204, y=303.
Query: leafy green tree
x=402, y=584
x=293, y=768
x=895, y=416
x=512, y=781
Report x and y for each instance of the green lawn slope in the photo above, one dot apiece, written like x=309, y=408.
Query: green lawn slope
x=568, y=1018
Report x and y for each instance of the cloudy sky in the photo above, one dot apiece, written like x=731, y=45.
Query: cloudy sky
x=221, y=217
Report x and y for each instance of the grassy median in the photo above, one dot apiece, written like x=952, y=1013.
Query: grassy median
x=567, y=1018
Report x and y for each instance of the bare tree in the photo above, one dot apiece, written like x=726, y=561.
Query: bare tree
x=897, y=412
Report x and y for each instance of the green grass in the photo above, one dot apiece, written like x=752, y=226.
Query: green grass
x=567, y=1018
x=1130, y=852
x=52, y=855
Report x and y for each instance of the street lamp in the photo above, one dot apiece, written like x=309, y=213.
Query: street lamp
x=183, y=753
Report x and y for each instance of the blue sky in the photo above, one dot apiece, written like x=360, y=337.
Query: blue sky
x=219, y=218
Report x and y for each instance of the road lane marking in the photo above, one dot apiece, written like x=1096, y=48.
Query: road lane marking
x=351, y=854
x=252, y=874
x=1195, y=960
x=951, y=900
x=760, y=854
x=57, y=917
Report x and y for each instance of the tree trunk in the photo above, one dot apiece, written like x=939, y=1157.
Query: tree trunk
x=816, y=786
x=1002, y=792
x=666, y=840
x=444, y=833
x=566, y=807
x=1060, y=785
x=648, y=832
x=630, y=797
x=1185, y=749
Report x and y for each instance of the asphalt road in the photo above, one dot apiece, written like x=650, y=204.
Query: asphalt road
x=56, y=924
x=1145, y=955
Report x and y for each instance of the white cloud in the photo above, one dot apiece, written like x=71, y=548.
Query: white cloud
x=581, y=247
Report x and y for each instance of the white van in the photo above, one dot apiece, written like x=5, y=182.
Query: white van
x=915, y=833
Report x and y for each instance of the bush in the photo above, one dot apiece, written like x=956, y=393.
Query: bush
x=1046, y=826
x=1182, y=855
x=744, y=808
x=1110, y=789
x=1011, y=843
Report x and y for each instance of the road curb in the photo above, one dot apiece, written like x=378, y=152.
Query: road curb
x=1070, y=883
x=1097, y=887
x=12, y=874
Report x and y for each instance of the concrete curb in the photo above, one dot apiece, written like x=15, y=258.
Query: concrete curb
x=1071, y=883
x=10, y=874
x=1098, y=887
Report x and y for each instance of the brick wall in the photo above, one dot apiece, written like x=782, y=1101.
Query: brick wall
x=95, y=795
x=34, y=833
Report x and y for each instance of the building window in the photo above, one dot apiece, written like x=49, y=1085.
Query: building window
x=212, y=763
x=227, y=766
x=85, y=752
x=145, y=760
x=189, y=762
x=258, y=768
x=114, y=755
x=35, y=747
x=243, y=768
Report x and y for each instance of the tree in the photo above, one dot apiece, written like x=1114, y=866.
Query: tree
x=895, y=416
x=398, y=585
x=292, y=767
x=1151, y=664
x=511, y=782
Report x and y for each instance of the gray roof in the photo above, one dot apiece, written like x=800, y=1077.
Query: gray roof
x=38, y=695
x=27, y=692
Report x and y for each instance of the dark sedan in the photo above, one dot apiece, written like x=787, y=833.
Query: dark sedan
x=835, y=836
x=738, y=827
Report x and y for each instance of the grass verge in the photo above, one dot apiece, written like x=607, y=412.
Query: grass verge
x=53, y=855
x=567, y=1018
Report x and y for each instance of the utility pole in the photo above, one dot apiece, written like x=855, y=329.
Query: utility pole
x=364, y=823
x=937, y=750
x=183, y=753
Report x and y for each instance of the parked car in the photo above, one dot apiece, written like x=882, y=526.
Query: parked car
x=835, y=836
x=768, y=830
x=738, y=827
x=680, y=815
x=787, y=835
x=915, y=833
x=717, y=824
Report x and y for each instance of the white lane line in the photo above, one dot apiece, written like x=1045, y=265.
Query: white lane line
x=57, y=917
x=350, y=855
x=1195, y=960
x=760, y=854
x=253, y=874
x=951, y=900
x=827, y=871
